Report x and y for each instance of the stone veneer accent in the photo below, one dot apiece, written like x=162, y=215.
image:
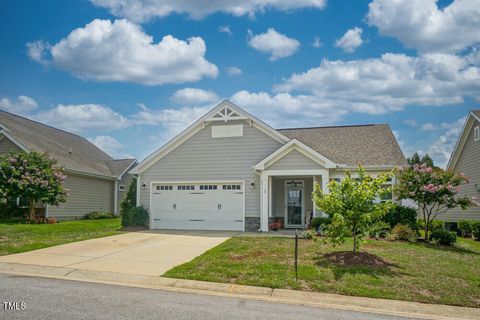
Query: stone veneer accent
x=252, y=223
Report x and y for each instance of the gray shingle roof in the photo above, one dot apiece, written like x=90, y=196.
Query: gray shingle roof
x=369, y=145
x=71, y=151
x=476, y=112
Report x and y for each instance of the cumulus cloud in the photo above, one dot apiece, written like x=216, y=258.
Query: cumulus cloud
x=144, y=10
x=441, y=149
x=389, y=83
x=82, y=117
x=422, y=25
x=351, y=40
x=225, y=29
x=121, y=51
x=276, y=44
x=193, y=96
x=233, y=71
x=21, y=105
x=110, y=146
x=317, y=43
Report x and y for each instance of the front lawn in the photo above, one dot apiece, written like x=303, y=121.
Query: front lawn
x=15, y=238
x=415, y=271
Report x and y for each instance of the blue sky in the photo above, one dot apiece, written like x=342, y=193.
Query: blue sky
x=130, y=74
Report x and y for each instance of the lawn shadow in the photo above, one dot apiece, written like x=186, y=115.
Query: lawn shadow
x=455, y=249
x=346, y=262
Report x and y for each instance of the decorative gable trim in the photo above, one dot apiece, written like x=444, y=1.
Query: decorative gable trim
x=224, y=111
x=462, y=139
x=294, y=144
x=15, y=141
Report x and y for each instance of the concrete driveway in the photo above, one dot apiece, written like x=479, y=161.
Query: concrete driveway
x=145, y=253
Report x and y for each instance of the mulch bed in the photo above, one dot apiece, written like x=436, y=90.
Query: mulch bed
x=348, y=258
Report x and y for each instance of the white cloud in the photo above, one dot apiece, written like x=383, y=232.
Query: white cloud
x=442, y=148
x=422, y=25
x=428, y=127
x=225, y=29
x=317, y=43
x=143, y=10
x=110, y=146
x=193, y=96
x=389, y=83
x=82, y=117
x=22, y=105
x=122, y=51
x=276, y=44
x=351, y=40
x=234, y=71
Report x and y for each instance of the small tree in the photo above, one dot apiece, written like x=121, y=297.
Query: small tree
x=33, y=176
x=353, y=204
x=434, y=190
x=426, y=159
x=130, y=199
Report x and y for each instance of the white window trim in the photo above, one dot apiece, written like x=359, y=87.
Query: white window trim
x=476, y=133
x=121, y=187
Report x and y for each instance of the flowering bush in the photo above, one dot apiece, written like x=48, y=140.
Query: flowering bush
x=434, y=190
x=49, y=220
x=33, y=176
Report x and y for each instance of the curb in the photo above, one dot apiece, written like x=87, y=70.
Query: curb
x=311, y=299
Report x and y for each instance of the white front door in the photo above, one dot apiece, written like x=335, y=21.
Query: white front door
x=197, y=206
x=294, y=203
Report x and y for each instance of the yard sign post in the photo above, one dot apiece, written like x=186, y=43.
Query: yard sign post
x=296, y=254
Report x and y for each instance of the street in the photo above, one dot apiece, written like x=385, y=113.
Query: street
x=42, y=298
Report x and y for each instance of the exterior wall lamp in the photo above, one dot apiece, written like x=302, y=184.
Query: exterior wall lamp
x=252, y=184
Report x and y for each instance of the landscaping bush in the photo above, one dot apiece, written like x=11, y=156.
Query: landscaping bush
x=130, y=199
x=476, y=229
x=444, y=237
x=403, y=232
x=434, y=225
x=137, y=216
x=379, y=230
x=320, y=221
x=465, y=227
x=401, y=215
x=95, y=215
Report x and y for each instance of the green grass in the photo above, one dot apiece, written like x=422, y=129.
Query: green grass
x=418, y=272
x=15, y=238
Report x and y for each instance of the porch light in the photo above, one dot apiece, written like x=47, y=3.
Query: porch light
x=144, y=185
x=252, y=184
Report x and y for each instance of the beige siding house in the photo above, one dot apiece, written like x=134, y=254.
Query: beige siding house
x=466, y=159
x=231, y=171
x=93, y=177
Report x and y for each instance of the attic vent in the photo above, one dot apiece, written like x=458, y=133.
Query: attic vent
x=227, y=131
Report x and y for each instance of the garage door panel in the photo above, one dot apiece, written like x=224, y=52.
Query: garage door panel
x=206, y=209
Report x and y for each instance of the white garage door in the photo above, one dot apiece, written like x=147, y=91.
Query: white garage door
x=195, y=206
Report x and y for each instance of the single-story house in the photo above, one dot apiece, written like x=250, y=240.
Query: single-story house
x=231, y=171
x=466, y=159
x=96, y=181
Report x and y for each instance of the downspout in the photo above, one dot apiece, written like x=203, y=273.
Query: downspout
x=115, y=197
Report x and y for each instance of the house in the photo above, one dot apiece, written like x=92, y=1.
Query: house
x=96, y=181
x=231, y=171
x=466, y=159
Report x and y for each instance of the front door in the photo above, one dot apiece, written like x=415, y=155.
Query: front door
x=294, y=199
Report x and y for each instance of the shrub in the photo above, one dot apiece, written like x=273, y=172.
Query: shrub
x=39, y=220
x=476, y=229
x=444, y=237
x=401, y=215
x=465, y=227
x=130, y=199
x=136, y=216
x=95, y=215
x=403, y=232
x=379, y=230
x=320, y=221
x=434, y=225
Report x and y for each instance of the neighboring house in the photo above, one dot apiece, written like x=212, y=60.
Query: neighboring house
x=466, y=159
x=231, y=171
x=96, y=181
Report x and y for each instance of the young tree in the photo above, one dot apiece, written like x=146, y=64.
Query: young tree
x=414, y=159
x=426, y=159
x=130, y=199
x=353, y=204
x=434, y=190
x=33, y=176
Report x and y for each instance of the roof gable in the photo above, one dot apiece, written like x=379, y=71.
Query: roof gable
x=223, y=112
x=467, y=127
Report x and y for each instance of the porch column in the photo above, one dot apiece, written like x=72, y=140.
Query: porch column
x=325, y=180
x=314, y=212
x=264, y=197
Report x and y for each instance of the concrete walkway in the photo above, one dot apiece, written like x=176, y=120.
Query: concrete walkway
x=149, y=253
x=321, y=300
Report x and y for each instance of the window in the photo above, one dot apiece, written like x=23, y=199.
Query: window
x=476, y=133
x=208, y=187
x=231, y=187
x=186, y=187
x=387, y=195
x=163, y=188
x=121, y=187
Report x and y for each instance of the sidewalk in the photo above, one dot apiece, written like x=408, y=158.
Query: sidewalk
x=321, y=300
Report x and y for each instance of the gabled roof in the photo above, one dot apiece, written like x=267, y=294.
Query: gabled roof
x=294, y=144
x=73, y=152
x=224, y=111
x=369, y=145
x=472, y=116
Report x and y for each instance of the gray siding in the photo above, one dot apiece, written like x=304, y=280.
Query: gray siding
x=278, y=196
x=205, y=158
x=126, y=180
x=294, y=160
x=468, y=164
x=7, y=146
x=86, y=194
